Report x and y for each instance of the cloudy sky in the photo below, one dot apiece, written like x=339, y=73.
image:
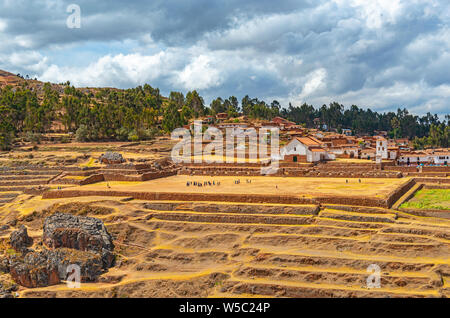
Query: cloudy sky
x=381, y=54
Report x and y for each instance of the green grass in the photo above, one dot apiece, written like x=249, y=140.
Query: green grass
x=429, y=199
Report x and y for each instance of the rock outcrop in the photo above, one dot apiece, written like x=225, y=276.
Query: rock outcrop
x=111, y=158
x=20, y=240
x=6, y=292
x=80, y=233
x=50, y=267
x=71, y=243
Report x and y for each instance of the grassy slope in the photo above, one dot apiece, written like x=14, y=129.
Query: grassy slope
x=430, y=199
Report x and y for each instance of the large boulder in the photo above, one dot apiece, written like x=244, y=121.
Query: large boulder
x=20, y=240
x=80, y=233
x=6, y=291
x=111, y=158
x=49, y=267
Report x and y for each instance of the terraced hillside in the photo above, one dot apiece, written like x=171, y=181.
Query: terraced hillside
x=19, y=180
x=204, y=249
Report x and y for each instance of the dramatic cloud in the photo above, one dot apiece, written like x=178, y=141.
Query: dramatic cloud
x=381, y=54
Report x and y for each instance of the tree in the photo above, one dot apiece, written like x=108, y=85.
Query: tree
x=82, y=133
x=195, y=102
x=218, y=106
x=395, y=123
x=6, y=129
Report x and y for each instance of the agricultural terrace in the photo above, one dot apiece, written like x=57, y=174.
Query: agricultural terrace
x=429, y=199
x=311, y=187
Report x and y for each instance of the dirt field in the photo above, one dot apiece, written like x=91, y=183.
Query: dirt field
x=260, y=185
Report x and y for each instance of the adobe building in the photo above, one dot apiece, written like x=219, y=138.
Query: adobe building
x=222, y=116
x=304, y=149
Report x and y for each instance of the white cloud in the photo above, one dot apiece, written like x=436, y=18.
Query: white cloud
x=3, y=25
x=315, y=81
x=110, y=70
x=375, y=53
x=199, y=74
x=375, y=12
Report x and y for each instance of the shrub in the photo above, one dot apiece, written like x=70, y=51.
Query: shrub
x=122, y=134
x=33, y=137
x=82, y=133
x=133, y=136
x=65, y=139
x=6, y=139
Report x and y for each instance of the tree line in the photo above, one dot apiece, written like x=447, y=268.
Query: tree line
x=141, y=113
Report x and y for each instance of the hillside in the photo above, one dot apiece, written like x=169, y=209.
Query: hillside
x=7, y=78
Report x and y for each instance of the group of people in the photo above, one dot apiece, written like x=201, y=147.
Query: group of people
x=211, y=183
x=202, y=184
x=359, y=180
x=238, y=181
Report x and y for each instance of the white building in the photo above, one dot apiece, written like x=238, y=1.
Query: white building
x=382, y=148
x=437, y=158
x=304, y=149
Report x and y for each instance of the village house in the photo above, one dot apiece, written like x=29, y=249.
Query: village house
x=224, y=126
x=441, y=157
x=279, y=121
x=347, y=132
x=222, y=116
x=304, y=149
x=368, y=153
x=295, y=133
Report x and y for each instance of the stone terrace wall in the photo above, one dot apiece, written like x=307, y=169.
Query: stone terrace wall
x=292, y=171
x=396, y=194
x=415, y=169
x=433, y=180
x=110, y=177
x=436, y=186
x=135, y=167
x=93, y=179
x=256, y=198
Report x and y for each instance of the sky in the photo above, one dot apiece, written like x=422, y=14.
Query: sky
x=378, y=54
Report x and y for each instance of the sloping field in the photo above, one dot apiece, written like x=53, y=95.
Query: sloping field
x=204, y=249
x=429, y=199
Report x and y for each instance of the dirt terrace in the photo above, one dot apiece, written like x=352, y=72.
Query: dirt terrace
x=204, y=249
x=306, y=187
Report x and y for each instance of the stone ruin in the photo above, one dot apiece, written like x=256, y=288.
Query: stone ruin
x=111, y=158
x=67, y=240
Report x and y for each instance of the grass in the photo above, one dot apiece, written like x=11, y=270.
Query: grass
x=429, y=199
